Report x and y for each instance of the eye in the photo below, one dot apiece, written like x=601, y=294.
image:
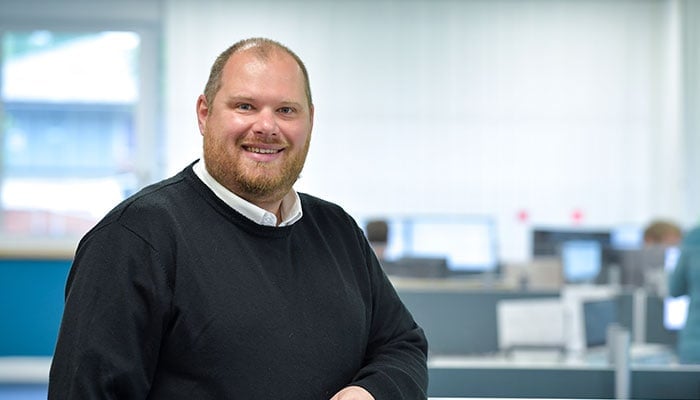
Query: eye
x=286, y=110
x=244, y=107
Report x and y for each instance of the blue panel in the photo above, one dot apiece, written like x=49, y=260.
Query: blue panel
x=31, y=305
x=23, y=392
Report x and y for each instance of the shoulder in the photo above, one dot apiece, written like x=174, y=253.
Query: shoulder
x=319, y=208
x=329, y=216
x=155, y=198
x=152, y=208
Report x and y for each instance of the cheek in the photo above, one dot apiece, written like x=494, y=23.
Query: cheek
x=301, y=140
x=300, y=135
x=226, y=129
x=227, y=121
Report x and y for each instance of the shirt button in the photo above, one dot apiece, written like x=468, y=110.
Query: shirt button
x=268, y=220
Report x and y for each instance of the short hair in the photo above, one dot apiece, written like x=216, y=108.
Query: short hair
x=659, y=230
x=263, y=48
x=377, y=231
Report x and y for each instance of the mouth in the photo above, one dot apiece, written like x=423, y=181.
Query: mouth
x=260, y=150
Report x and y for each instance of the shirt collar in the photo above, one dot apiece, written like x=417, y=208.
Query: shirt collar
x=290, y=208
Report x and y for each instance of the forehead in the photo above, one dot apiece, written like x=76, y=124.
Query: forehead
x=273, y=67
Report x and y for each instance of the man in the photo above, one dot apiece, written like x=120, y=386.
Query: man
x=222, y=282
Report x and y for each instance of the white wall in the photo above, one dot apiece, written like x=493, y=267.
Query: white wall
x=690, y=15
x=477, y=107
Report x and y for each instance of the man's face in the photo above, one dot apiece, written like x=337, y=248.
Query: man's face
x=257, y=129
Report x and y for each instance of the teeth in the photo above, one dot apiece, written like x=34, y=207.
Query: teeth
x=262, y=151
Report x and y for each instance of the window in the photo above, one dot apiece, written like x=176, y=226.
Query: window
x=71, y=132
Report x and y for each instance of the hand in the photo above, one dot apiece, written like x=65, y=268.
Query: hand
x=353, y=393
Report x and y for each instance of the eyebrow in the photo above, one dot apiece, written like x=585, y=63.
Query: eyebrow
x=233, y=99
x=249, y=99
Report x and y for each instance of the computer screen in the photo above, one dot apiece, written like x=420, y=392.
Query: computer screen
x=675, y=308
x=598, y=315
x=547, y=241
x=468, y=243
x=588, y=314
x=627, y=237
x=581, y=260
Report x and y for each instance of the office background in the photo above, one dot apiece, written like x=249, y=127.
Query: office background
x=557, y=113
x=549, y=109
x=535, y=112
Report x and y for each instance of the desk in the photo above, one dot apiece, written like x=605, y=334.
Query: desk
x=500, y=377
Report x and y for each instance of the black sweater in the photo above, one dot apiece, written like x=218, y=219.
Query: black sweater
x=174, y=295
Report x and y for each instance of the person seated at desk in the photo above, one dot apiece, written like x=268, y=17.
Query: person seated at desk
x=642, y=267
x=378, y=236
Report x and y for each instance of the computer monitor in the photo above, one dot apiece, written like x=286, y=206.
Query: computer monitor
x=467, y=242
x=598, y=315
x=581, y=260
x=627, y=237
x=675, y=308
x=547, y=241
x=589, y=309
x=531, y=323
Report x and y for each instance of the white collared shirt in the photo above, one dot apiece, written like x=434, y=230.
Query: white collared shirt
x=290, y=208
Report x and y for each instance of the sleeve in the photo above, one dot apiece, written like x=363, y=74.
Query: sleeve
x=395, y=365
x=116, y=308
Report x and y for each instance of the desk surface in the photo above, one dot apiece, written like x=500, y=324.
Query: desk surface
x=644, y=356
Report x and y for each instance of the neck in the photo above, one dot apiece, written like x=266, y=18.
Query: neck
x=270, y=202
x=274, y=207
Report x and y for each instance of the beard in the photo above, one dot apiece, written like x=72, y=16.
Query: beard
x=251, y=180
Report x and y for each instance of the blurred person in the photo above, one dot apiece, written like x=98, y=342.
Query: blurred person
x=646, y=268
x=662, y=233
x=378, y=236
x=223, y=282
x=685, y=280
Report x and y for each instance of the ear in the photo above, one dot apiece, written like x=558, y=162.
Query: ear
x=202, y=113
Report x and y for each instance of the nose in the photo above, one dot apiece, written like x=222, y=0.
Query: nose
x=266, y=123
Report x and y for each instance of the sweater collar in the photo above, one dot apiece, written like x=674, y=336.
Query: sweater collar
x=290, y=207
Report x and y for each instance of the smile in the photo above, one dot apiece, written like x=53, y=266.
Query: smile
x=262, y=151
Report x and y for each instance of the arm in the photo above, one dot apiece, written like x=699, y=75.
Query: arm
x=395, y=364
x=115, y=313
